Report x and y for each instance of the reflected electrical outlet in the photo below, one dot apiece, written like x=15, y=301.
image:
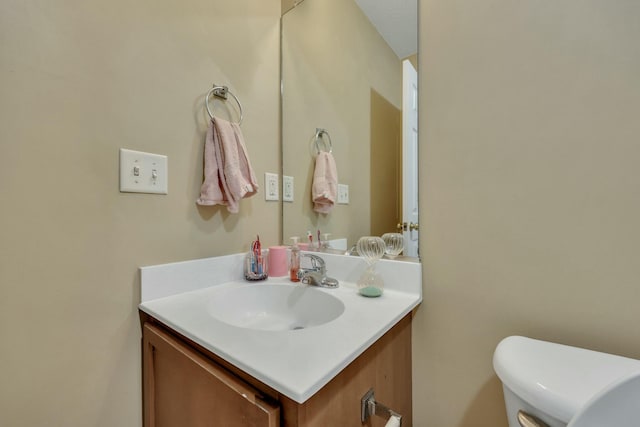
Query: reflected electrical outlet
x=343, y=194
x=287, y=188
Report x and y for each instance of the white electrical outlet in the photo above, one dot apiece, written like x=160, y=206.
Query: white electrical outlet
x=143, y=172
x=287, y=188
x=343, y=194
x=271, y=186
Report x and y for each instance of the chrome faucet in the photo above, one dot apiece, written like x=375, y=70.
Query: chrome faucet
x=353, y=251
x=317, y=274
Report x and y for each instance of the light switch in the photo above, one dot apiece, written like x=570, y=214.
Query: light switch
x=143, y=172
x=287, y=188
x=271, y=186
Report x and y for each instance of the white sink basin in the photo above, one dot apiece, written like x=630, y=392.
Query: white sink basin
x=274, y=307
x=249, y=324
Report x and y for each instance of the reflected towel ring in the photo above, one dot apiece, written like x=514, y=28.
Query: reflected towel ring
x=318, y=137
x=221, y=92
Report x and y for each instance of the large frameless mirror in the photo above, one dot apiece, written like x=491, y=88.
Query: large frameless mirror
x=349, y=68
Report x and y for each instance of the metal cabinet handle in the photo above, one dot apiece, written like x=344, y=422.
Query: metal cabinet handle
x=413, y=226
x=528, y=420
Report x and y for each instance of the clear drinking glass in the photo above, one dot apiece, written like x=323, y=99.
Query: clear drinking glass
x=371, y=248
x=394, y=243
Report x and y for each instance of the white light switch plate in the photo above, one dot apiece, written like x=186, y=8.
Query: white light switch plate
x=271, y=186
x=343, y=194
x=143, y=172
x=287, y=188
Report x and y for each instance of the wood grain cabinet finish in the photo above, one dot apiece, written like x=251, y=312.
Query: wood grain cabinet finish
x=187, y=386
x=182, y=388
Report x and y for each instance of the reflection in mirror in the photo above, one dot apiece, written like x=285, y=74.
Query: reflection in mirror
x=341, y=75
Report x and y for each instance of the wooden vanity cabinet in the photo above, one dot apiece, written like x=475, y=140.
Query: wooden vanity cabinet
x=184, y=388
x=185, y=385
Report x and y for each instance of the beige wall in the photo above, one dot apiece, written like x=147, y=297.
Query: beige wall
x=414, y=60
x=79, y=80
x=332, y=59
x=386, y=166
x=287, y=5
x=529, y=190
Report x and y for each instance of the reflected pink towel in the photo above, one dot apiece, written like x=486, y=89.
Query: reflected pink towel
x=324, y=189
x=228, y=175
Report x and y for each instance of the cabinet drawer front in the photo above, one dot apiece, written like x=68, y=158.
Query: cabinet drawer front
x=183, y=388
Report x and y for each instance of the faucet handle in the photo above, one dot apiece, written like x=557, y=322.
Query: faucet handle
x=317, y=263
x=317, y=274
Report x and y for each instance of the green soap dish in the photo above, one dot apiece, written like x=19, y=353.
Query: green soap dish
x=370, y=291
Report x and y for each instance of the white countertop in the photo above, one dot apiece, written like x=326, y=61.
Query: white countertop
x=296, y=363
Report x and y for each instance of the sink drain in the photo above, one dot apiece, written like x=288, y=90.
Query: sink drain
x=297, y=328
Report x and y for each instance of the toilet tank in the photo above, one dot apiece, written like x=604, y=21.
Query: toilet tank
x=553, y=381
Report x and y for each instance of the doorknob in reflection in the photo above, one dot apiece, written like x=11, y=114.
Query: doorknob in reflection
x=413, y=226
x=401, y=226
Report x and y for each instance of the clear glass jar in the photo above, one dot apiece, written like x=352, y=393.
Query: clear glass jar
x=394, y=243
x=371, y=248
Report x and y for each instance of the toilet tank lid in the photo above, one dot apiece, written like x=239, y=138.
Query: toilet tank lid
x=554, y=378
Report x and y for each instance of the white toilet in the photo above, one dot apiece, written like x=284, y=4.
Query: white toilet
x=553, y=382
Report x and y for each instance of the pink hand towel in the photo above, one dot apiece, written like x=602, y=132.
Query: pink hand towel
x=324, y=189
x=235, y=177
x=211, y=191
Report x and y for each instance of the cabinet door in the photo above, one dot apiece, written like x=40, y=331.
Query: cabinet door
x=182, y=388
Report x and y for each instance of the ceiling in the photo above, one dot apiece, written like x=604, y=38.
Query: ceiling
x=396, y=21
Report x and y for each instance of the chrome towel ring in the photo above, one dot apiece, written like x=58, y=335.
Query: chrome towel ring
x=318, y=137
x=222, y=92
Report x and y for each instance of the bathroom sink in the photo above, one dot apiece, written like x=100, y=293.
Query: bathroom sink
x=274, y=307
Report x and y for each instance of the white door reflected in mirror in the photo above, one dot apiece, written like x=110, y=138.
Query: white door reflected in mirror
x=410, y=158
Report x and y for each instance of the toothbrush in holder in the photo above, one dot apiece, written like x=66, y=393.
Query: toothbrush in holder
x=258, y=254
x=255, y=266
